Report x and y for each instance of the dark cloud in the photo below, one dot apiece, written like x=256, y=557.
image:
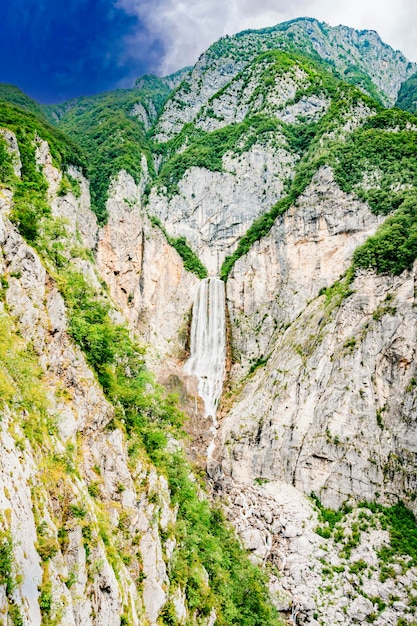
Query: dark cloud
x=55, y=50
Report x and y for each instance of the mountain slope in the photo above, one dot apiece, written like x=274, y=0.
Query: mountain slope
x=278, y=117
x=111, y=129
x=102, y=521
x=14, y=95
x=359, y=57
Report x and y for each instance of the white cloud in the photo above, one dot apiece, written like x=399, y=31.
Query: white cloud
x=187, y=27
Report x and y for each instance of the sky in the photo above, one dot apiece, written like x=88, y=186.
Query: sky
x=57, y=50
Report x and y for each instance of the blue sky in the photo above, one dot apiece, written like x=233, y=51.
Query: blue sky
x=55, y=50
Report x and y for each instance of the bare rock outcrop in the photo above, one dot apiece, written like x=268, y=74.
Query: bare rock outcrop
x=307, y=249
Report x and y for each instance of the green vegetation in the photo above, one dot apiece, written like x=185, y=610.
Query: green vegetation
x=69, y=184
x=8, y=576
x=20, y=382
x=6, y=562
x=26, y=126
x=205, y=541
x=393, y=248
x=15, y=615
x=384, y=151
x=112, y=138
x=407, y=96
x=263, y=224
x=311, y=142
x=207, y=149
x=191, y=261
x=7, y=175
x=30, y=192
x=378, y=163
x=206, y=545
x=398, y=520
x=340, y=290
x=295, y=35
x=237, y=588
x=328, y=517
x=402, y=527
x=14, y=95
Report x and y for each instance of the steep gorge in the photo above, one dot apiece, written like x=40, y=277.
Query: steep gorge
x=265, y=167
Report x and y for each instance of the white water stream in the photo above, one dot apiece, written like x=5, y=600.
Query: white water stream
x=208, y=346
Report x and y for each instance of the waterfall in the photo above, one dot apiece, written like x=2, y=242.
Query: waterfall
x=208, y=343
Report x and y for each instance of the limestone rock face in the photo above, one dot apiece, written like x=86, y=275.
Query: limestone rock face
x=146, y=115
x=307, y=249
x=314, y=581
x=322, y=391
x=75, y=211
x=331, y=410
x=12, y=149
x=145, y=275
x=80, y=221
x=214, y=209
x=44, y=161
x=244, y=96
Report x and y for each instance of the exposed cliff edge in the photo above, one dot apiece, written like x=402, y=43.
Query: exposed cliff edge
x=307, y=249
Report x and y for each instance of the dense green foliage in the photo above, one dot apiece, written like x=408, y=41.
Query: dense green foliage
x=29, y=198
x=207, y=149
x=14, y=95
x=6, y=167
x=378, y=162
x=402, y=527
x=191, y=261
x=6, y=562
x=110, y=135
x=26, y=126
x=394, y=246
x=20, y=382
x=8, y=572
x=384, y=150
x=407, y=96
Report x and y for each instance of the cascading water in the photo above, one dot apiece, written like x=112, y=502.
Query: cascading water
x=208, y=345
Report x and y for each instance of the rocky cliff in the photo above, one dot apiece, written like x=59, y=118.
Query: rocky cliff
x=299, y=189
x=69, y=492
x=91, y=532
